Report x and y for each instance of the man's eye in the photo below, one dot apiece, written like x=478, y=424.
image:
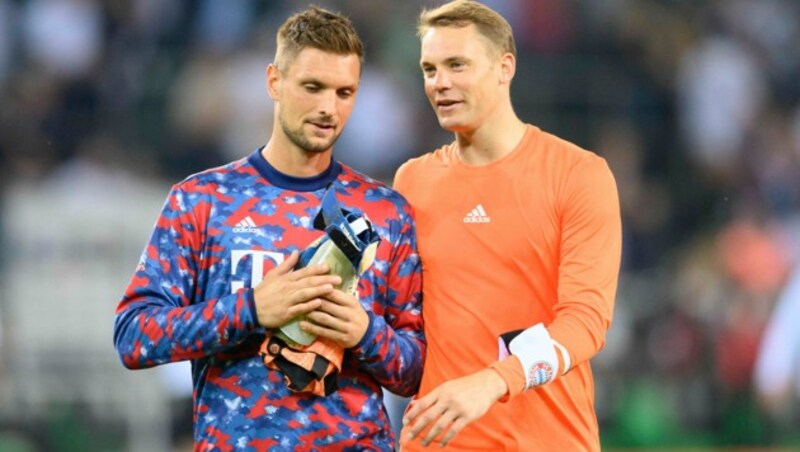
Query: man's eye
x=312, y=88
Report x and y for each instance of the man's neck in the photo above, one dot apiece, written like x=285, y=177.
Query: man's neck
x=490, y=142
x=290, y=160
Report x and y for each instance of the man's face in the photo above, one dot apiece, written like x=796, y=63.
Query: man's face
x=315, y=96
x=461, y=76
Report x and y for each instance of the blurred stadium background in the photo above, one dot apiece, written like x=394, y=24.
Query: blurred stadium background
x=695, y=104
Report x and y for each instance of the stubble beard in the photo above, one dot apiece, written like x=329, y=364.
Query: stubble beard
x=300, y=140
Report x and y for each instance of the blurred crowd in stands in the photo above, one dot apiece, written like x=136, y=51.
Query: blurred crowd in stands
x=695, y=105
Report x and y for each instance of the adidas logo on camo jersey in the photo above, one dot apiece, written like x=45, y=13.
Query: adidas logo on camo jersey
x=477, y=215
x=246, y=225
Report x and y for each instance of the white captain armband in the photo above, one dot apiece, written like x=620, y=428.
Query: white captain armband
x=536, y=351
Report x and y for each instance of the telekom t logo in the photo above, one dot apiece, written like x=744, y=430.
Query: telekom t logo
x=257, y=270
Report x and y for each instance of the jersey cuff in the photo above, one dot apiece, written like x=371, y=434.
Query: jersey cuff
x=250, y=299
x=363, y=348
x=510, y=370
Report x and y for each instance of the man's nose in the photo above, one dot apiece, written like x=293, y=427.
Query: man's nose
x=441, y=80
x=327, y=103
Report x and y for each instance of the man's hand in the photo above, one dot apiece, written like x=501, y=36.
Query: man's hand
x=453, y=405
x=339, y=318
x=284, y=294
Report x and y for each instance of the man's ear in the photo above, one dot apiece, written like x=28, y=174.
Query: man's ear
x=273, y=80
x=508, y=67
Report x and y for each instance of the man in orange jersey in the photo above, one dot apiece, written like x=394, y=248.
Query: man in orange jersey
x=520, y=239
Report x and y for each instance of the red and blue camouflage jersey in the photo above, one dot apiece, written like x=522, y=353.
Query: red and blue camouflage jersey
x=191, y=298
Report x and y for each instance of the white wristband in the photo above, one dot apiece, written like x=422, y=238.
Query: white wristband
x=536, y=351
x=564, y=356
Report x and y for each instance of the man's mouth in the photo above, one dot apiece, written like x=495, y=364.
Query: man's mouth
x=447, y=104
x=322, y=125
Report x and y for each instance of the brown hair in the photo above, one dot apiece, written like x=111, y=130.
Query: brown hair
x=320, y=29
x=462, y=13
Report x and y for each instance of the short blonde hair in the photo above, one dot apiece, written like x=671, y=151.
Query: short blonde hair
x=462, y=13
x=320, y=29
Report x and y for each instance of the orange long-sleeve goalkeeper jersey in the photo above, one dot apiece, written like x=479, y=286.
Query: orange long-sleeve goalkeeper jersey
x=534, y=237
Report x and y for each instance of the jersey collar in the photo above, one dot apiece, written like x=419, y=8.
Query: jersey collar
x=277, y=178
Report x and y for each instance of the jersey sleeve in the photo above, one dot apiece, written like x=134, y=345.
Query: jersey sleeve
x=591, y=249
x=400, y=178
x=589, y=260
x=393, y=348
x=160, y=318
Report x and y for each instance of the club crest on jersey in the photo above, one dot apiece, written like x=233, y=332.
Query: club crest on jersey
x=540, y=373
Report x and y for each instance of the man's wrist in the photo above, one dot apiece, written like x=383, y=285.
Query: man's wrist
x=497, y=386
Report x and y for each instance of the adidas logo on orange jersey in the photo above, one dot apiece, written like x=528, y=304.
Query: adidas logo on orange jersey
x=477, y=215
